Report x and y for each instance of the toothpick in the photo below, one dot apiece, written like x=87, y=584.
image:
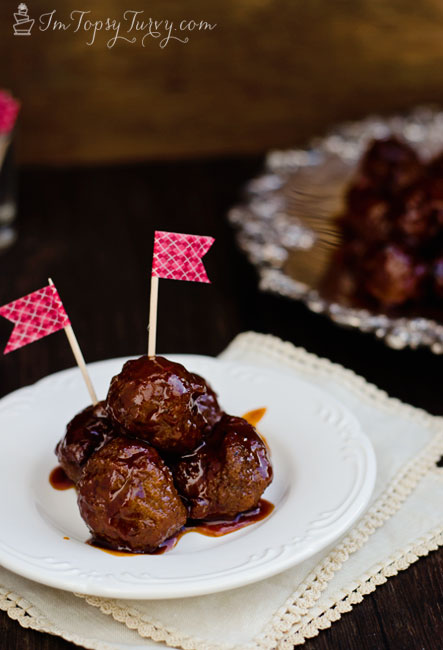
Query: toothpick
x=79, y=359
x=152, y=327
x=5, y=141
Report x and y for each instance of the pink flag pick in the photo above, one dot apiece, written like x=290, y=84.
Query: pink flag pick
x=36, y=315
x=178, y=256
x=9, y=108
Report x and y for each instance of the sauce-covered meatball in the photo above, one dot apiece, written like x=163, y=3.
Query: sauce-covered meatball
x=394, y=276
x=127, y=497
x=161, y=402
x=368, y=215
x=85, y=433
x=420, y=213
x=391, y=163
x=437, y=272
x=227, y=474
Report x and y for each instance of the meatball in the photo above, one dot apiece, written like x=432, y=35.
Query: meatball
x=437, y=272
x=127, y=497
x=85, y=433
x=390, y=163
x=421, y=211
x=435, y=167
x=368, y=215
x=227, y=474
x=435, y=190
x=161, y=402
x=414, y=220
x=393, y=276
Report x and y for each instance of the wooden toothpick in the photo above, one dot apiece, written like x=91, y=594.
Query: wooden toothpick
x=176, y=256
x=79, y=359
x=152, y=327
x=5, y=141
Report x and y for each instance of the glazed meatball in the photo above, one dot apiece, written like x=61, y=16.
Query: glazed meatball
x=85, y=433
x=227, y=474
x=127, y=497
x=437, y=272
x=393, y=276
x=390, y=163
x=161, y=402
x=421, y=211
x=435, y=191
x=369, y=215
x=414, y=220
x=435, y=167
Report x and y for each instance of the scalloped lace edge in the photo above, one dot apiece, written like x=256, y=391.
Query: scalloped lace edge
x=344, y=602
x=28, y=616
x=310, y=627
x=291, y=614
x=291, y=624
x=296, y=608
x=297, y=357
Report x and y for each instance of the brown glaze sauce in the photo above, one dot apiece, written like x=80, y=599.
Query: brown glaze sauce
x=253, y=418
x=220, y=527
x=216, y=528
x=59, y=480
x=95, y=544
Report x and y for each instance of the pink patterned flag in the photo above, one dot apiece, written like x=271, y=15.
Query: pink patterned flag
x=178, y=256
x=35, y=316
x=9, y=108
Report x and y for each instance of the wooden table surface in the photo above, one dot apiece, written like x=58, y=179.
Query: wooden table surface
x=91, y=230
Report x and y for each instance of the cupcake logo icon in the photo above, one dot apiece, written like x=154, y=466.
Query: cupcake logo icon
x=23, y=24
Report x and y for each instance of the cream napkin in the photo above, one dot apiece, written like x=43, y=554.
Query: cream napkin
x=404, y=521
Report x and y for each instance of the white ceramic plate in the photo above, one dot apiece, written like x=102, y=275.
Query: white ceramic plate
x=324, y=469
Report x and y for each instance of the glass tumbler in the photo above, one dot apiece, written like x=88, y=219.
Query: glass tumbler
x=8, y=205
x=9, y=108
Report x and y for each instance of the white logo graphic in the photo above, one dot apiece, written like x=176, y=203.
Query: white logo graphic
x=23, y=24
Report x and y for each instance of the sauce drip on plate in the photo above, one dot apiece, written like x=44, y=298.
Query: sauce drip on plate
x=254, y=417
x=59, y=480
x=216, y=528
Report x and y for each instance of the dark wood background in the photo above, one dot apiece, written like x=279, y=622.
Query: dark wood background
x=91, y=229
x=270, y=74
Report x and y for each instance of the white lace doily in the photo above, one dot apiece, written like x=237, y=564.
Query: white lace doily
x=403, y=523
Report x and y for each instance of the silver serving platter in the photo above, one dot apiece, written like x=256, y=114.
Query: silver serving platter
x=287, y=225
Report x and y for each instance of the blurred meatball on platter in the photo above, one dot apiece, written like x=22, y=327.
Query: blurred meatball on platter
x=356, y=221
x=133, y=494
